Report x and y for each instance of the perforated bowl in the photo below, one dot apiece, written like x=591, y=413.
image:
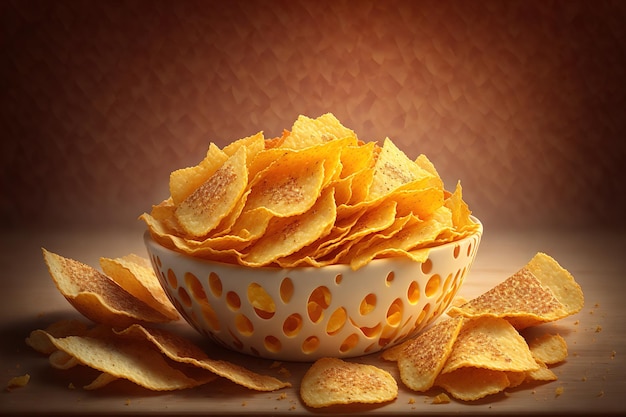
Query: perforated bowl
x=317, y=312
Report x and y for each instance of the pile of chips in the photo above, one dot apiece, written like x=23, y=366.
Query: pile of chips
x=123, y=302
x=317, y=195
x=479, y=351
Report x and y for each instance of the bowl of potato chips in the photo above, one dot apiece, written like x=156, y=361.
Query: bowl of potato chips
x=311, y=244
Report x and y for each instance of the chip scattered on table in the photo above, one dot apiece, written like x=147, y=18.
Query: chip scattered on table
x=332, y=381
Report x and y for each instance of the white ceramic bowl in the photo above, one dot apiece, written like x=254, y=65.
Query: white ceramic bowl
x=317, y=312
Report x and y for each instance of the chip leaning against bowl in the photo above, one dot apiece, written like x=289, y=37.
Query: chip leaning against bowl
x=316, y=198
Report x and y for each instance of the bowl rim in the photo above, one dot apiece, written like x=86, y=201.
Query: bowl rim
x=148, y=240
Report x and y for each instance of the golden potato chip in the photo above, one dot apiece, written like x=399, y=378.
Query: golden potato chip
x=331, y=381
x=136, y=275
x=558, y=280
x=137, y=362
x=401, y=243
x=182, y=350
x=185, y=181
x=39, y=340
x=307, y=132
x=548, y=348
x=62, y=360
x=288, y=235
x=101, y=380
x=420, y=360
x=97, y=296
x=394, y=169
x=202, y=210
x=521, y=299
x=471, y=384
x=542, y=374
x=490, y=343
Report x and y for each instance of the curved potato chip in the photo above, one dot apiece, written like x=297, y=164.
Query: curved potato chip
x=420, y=360
x=394, y=169
x=521, y=299
x=101, y=380
x=471, y=384
x=331, y=381
x=548, y=348
x=183, y=350
x=201, y=211
x=307, y=132
x=288, y=235
x=490, y=343
x=136, y=362
x=184, y=181
x=136, y=275
x=97, y=296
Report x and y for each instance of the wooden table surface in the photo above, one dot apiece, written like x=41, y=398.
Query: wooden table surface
x=592, y=379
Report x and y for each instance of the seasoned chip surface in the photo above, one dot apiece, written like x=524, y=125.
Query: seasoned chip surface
x=331, y=381
x=420, y=360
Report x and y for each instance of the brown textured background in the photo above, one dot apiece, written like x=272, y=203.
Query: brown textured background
x=523, y=101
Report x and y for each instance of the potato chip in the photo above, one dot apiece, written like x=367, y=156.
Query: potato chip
x=136, y=275
x=97, y=296
x=394, y=169
x=307, y=132
x=490, y=343
x=420, y=360
x=62, y=360
x=471, y=384
x=137, y=362
x=202, y=210
x=542, y=374
x=331, y=381
x=39, y=340
x=521, y=299
x=559, y=281
x=101, y=380
x=185, y=181
x=183, y=350
x=287, y=235
x=548, y=348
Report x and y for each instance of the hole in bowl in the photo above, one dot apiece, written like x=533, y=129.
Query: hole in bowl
x=292, y=325
x=432, y=286
x=389, y=278
x=272, y=344
x=286, y=290
x=368, y=304
x=427, y=266
x=371, y=332
x=310, y=344
x=195, y=287
x=349, y=343
x=413, y=293
x=233, y=301
x=420, y=319
x=394, y=313
x=315, y=311
x=171, y=279
x=322, y=296
x=469, y=249
x=336, y=321
x=457, y=251
x=387, y=335
x=215, y=284
x=338, y=279
x=210, y=318
x=244, y=325
x=261, y=301
x=184, y=297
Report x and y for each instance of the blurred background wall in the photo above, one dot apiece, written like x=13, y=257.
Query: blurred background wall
x=524, y=102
